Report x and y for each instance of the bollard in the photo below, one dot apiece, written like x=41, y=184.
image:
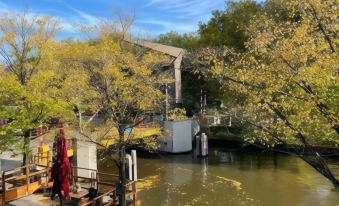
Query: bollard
x=204, y=145
x=129, y=166
x=135, y=165
x=197, y=145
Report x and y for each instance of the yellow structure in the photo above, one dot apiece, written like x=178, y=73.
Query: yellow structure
x=43, y=156
x=138, y=132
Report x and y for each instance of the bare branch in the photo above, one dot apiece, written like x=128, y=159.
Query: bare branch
x=322, y=28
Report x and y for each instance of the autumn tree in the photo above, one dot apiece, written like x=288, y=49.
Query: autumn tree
x=27, y=84
x=118, y=79
x=289, y=76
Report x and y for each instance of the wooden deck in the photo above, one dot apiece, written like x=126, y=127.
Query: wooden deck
x=23, y=181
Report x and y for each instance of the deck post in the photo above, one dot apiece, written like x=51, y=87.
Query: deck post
x=27, y=178
x=130, y=166
x=135, y=165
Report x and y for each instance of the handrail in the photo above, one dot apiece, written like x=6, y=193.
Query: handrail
x=98, y=197
x=14, y=178
x=86, y=178
x=37, y=173
x=19, y=177
x=83, y=168
x=18, y=168
x=107, y=174
x=106, y=183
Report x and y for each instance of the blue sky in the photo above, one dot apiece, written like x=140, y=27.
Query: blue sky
x=152, y=17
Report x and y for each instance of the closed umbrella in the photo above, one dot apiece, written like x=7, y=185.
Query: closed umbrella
x=60, y=168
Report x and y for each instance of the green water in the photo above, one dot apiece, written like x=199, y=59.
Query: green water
x=230, y=177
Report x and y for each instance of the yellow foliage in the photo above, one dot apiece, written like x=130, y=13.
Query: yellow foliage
x=288, y=73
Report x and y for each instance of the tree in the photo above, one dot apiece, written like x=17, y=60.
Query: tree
x=226, y=28
x=186, y=41
x=289, y=76
x=26, y=81
x=120, y=82
x=229, y=27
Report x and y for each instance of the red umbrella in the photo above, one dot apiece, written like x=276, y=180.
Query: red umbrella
x=61, y=168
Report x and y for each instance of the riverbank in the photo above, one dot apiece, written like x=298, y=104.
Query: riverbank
x=328, y=151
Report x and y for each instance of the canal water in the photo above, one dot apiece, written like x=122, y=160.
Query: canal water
x=230, y=177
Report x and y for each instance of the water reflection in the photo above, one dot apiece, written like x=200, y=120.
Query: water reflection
x=229, y=177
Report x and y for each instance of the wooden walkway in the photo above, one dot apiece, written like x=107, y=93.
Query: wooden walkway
x=24, y=181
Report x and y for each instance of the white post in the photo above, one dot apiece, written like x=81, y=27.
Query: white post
x=197, y=145
x=204, y=145
x=129, y=163
x=135, y=165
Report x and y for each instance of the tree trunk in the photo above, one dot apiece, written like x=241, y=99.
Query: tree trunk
x=316, y=161
x=319, y=164
x=25, y=148
x=122, y=169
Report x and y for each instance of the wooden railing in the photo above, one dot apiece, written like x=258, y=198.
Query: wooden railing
x=23, y=181
x=39, y=131
x=131, y=186
x=95, y=178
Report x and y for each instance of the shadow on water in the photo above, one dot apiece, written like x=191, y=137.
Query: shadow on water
x=229, y=177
